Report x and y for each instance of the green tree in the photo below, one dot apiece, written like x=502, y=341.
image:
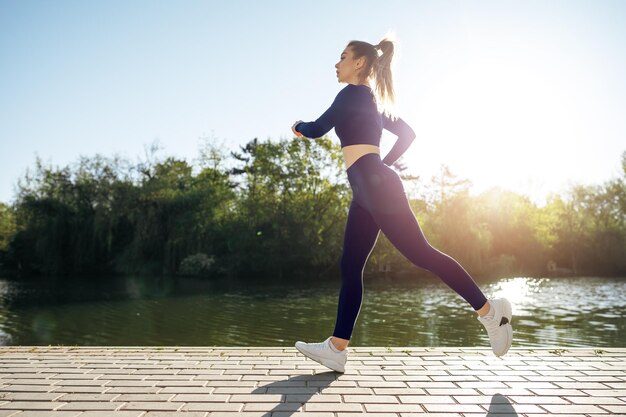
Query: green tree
x=7, y=226
x=278, y=209
x=292, y=206
x=451, y=223
x=513, y=222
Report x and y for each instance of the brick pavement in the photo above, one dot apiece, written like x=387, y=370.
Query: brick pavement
x=280, y=382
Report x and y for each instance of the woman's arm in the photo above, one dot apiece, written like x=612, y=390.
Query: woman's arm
x=405, y=137
x=325, y=122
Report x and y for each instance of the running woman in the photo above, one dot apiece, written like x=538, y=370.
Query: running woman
x=379, y=201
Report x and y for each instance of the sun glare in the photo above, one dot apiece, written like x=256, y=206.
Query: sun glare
x=496, y=121
x=519, y=291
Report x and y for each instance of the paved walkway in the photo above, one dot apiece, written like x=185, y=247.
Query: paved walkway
x=280, y=382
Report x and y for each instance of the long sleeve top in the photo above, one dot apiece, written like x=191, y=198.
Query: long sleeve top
x=356, y=120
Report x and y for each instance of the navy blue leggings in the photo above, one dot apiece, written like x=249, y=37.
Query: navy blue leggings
x=379, y=203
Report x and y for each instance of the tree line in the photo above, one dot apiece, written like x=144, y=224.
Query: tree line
x=278, y=209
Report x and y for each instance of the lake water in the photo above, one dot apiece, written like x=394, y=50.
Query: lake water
x=563, y=312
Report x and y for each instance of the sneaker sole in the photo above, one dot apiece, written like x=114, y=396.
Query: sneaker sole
x=509, y=333
x=337, y=367
x=508, y=313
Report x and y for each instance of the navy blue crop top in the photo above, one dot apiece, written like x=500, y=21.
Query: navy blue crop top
x=356, y=120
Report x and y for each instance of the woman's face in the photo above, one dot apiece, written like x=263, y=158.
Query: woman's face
x=348, y=67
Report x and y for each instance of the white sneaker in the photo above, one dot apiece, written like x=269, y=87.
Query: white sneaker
x=322, y=353
x=498, y=325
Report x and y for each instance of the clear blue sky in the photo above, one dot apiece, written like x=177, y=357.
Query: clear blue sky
x=530, y=95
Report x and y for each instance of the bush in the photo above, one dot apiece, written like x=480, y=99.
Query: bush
x=199, y=264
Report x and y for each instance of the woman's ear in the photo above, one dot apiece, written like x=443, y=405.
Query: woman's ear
x=360, y=62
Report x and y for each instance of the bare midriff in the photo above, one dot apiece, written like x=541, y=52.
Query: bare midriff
x=352, y=153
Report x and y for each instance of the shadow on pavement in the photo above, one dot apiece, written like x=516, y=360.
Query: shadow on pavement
x=295, y=391
x=501, y=407
x=298, y=390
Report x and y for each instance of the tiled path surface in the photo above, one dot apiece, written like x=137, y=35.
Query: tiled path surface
x=280, y=382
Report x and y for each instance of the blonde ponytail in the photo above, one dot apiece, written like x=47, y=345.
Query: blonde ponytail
x=378, y=68
x=382, y=72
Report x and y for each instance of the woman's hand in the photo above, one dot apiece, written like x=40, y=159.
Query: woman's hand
x=293, y=129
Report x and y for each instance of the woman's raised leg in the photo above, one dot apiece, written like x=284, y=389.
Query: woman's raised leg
x=398, y=223
x=403, y=231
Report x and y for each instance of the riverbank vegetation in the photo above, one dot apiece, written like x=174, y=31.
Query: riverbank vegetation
x=278, y=209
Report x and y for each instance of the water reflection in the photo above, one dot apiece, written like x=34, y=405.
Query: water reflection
x=142, y=311
x=520, y=291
